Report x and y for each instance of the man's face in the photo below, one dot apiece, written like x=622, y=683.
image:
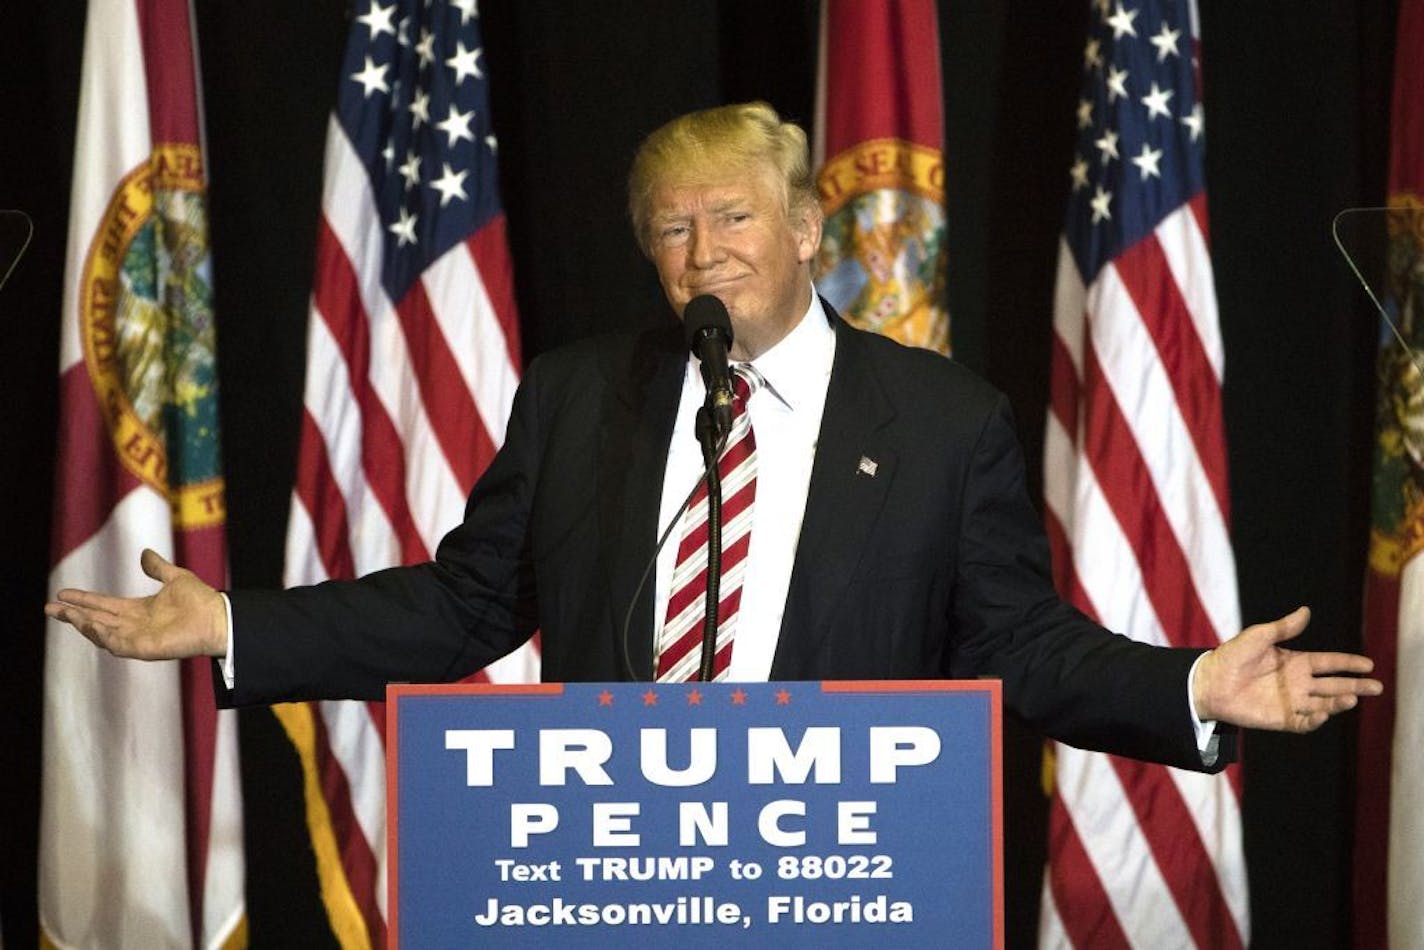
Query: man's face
x=731, y=237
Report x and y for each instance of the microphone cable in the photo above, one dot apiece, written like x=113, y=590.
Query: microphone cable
x=29, y=236
x=653, y=560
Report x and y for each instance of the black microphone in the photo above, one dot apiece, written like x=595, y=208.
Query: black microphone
x=709, y=335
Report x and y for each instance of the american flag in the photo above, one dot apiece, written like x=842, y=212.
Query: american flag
x=1135, y=484
x=412, y=362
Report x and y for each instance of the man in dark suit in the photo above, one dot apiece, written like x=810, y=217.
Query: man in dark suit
x=892, y=534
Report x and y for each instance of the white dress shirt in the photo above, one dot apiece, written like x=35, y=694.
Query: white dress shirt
x=786, y=419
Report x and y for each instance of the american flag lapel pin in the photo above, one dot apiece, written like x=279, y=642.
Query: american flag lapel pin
x=867, y=466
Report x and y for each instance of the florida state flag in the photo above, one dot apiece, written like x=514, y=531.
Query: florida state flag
x=879, y=148
x=1389, y=832
x=141, y=831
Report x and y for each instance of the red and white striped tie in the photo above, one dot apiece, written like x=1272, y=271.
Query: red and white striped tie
x=680, y=642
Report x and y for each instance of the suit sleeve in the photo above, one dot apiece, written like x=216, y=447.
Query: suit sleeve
x=431, y=622
x=1064, y=674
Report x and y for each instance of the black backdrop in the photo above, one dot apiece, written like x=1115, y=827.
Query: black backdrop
x=1296, y=100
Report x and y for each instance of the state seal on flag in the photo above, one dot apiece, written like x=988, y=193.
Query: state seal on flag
x=1397, y=534
x=881, y=260
x=146, y=322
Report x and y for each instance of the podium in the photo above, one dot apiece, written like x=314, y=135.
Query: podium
x=796, y=814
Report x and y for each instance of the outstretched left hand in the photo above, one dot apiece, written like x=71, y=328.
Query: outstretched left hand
x=1254, y=682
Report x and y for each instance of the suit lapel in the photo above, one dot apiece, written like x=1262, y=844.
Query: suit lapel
x=633, y=456
x=850, y=478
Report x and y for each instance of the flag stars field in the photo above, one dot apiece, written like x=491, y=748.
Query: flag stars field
x=1147, y=160
x=1195, y=122
x=1100, y=202
x=456, y=126
x=1117, y=84
x=419, y=109
x=469, y=10
x=1166, y=42
x=1121, y=22
x=1107, y=145
x=425, y=49
x=379, y=20
x=410, y=171
x=1093, y=55
x=450, y=185
x=1156, y=102
x=1085, y=113
x=463, y=62
x=372, y=78
x=404, y=229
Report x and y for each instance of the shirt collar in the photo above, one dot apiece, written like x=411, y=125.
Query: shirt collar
x=798, y=366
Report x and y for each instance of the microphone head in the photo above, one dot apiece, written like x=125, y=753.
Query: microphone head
x=703, y=315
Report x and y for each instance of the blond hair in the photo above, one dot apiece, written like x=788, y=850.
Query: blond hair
x=701, y=146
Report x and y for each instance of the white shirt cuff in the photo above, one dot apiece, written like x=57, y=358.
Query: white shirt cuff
x=1207, y=739
x=229, y=668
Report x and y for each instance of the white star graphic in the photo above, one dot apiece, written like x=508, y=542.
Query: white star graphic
x=1093, y=54
x=469, y=9
x=1195, y=121
x=1156, y=102
x=373, y=77
x=404, y=229
x=492, y=142
x=1107, y=145
x=1117, y=83
x=1079, y=173
x=1085, y=113
x=426, y=48
x=420, y=108
x=1147, y=161
x=1121, y=22
x=1100, y=203
x=1166, y=42
x=403, y=34
x=463, y=62
x=389, y=154
x=450, y=185
x=378, y=19
x=457, y=125
x=410, y=171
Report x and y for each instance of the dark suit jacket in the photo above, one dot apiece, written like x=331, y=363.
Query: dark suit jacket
x=934, y=566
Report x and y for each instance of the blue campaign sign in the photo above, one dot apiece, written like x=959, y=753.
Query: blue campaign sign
x=793, y=814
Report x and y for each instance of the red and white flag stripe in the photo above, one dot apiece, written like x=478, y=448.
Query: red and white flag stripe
x=1135, y=487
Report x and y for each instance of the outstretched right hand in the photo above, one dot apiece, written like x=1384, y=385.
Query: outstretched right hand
x=185, y=618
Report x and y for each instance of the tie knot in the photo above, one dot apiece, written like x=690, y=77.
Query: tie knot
x=745, y=381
